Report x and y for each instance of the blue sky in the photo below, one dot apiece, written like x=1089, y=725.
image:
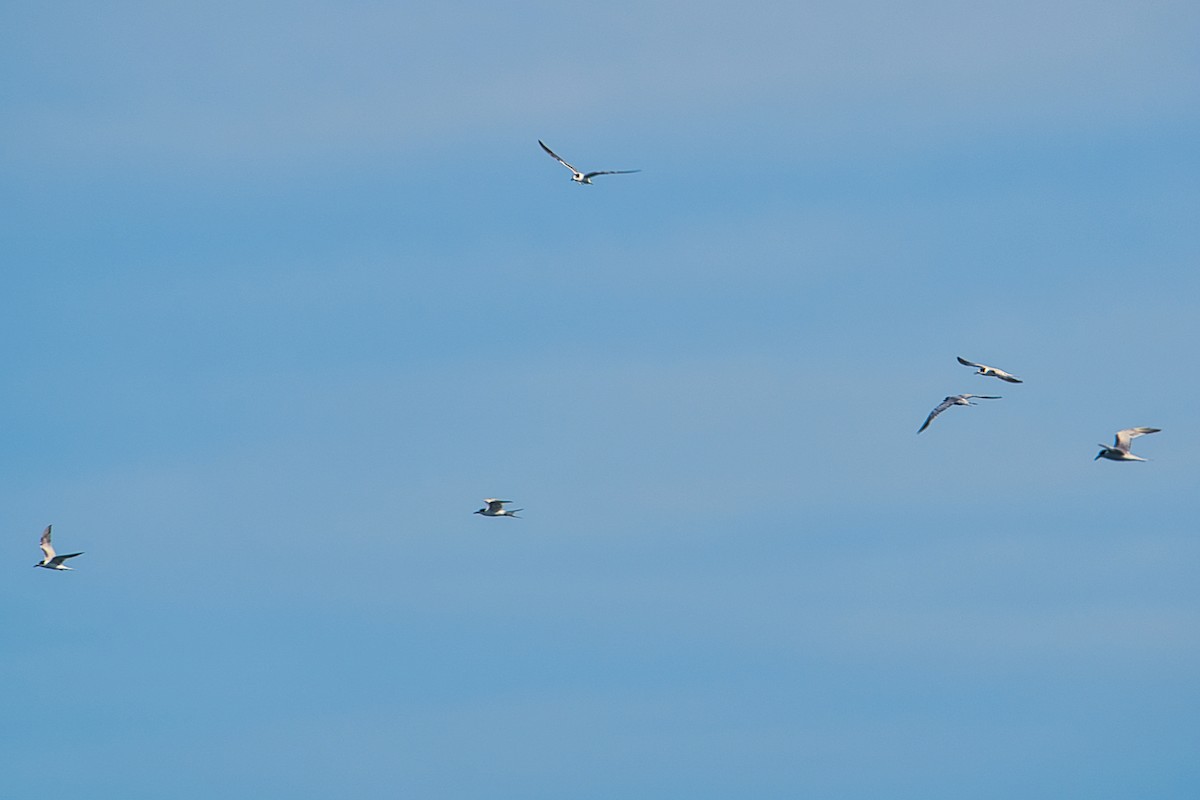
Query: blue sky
x=289, y=289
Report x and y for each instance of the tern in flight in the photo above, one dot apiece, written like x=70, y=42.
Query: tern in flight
x=954, y=400
x=52, y=561
x=1120, y=449
x=495, y=508
x=584, y=177
x=991, y=372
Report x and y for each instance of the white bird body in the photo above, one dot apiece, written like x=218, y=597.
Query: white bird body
x=1121, y=444
x=495, y=508
x=990, y=372
x=954, y=400
x=584, y=177
x=52, y=560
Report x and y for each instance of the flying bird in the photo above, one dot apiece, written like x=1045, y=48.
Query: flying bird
x=1120, y=449
x=954, y=400
x=495, y=508
x=52, y=561
x=991, y=372
x=582, y=177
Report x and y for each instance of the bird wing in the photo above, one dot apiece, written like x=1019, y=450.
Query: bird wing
x=61, y=559
x=982, y=396
x=966, y=363
x=495, y=505
x=556, y=157
x=591, y=175
x=1004, y=376
x=949, y=401
x=47, y=548
x=1124, y=437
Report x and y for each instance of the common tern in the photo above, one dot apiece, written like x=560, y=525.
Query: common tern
x=954, y=400
x=991, y=372
x=1120, y=449
x=584, y=177
x=52, y=560
x=495, y=508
